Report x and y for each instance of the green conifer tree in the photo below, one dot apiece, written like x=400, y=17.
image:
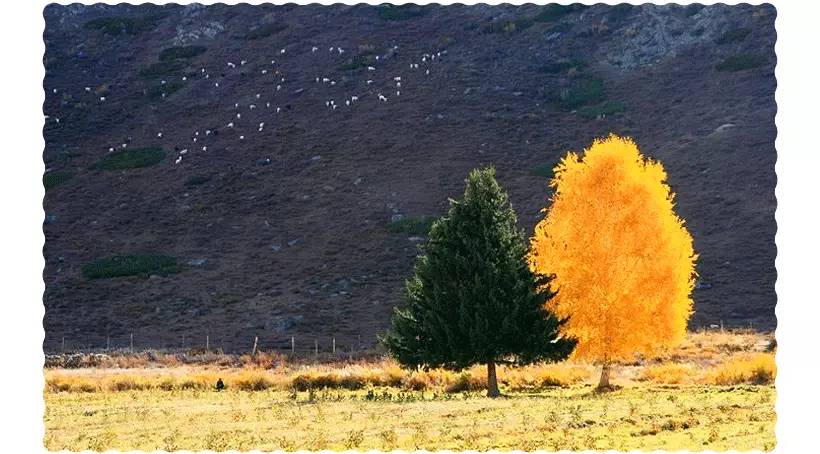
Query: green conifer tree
x=472, y=298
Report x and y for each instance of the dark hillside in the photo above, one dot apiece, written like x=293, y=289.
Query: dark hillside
x=307, y=226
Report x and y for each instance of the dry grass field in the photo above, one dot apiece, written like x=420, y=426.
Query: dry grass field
x=714, y=392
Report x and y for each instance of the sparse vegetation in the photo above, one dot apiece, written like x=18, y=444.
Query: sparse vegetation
x=130, y=159
x=620, y=11
x=53, y=179
x=741, y=62
x=181, y=52
x=756, y=369
x=130, y=265
x=263, y=31
x=411, y=225
x=602, y=109
x=733, y=36
x=401, y=12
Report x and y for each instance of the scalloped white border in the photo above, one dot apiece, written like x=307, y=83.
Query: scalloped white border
x=22, y=192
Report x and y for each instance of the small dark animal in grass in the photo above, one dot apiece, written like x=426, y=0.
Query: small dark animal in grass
x=220, y=385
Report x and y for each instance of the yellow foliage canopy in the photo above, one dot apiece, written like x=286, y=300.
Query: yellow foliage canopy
x=623, y=261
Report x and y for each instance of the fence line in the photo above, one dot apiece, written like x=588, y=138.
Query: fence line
x=133, y=342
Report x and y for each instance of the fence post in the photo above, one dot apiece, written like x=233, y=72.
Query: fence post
x=62, y=346
x=292, y=345
x=721, y=325
x=334, y=345
x=132, y=342
x=108, y=343
x=316, y=347
x=207, y=342
x=183, y=341
x=255, y=340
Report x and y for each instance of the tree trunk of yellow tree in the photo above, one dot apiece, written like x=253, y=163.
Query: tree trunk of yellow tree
x=603, y=384
x=492, y=381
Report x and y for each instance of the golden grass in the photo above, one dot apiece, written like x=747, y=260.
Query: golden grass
x=643, y=417
x=755, y=368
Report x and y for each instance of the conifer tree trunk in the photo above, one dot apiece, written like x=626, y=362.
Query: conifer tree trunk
x=603, y=383
x=492, y=381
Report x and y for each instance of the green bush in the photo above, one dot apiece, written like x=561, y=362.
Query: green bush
x=741, y=62
x=562, y=66
x=733, y=36
x=544, y=170
x=164, y=69
x=508, y=26
x=197, y=180
x=583, y=92
x=263, y=31
x=130, y=265
x=412, y=226
x=358, y=62
x=130, y=159
x=53, y=179
x=604, y=108
x=117, y=25
x=156, y=91
x=401, y=12
x=554, y=12
x=181, y=52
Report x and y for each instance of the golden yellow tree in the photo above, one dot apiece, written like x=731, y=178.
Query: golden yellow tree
x=623, y=261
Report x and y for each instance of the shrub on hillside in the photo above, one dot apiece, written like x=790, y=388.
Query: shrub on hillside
x=554, y=12
x=740, y=62
x=130, y=265
x=263, y=31
x=53, y=179
x=181, y=52
x=412, y=225
x=116, y=25
x=401, y=12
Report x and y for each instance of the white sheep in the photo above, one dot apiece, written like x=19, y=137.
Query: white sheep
x=325, y=80
x=183, y=151
x=252, y=106
x=102, y=98
x=382, y=97
x=354, y=98
x=110, y=149
x=397, y=78
x=278, y=87
x=427, y=72
x=282, y=51
x=216, y=84
x=204, y=148
x=231, y=65
x=229, y=125
x=258, y=95
x=398, y=93
x=278, y=109
x=370, y=68
x=347, y=102
x=341, y=51
x=314, y=49
x=398, y=84
x=241, y=137
x=207, y=132
x=184, y=78
x=267, y=104
x=332, y=82
x=179, y=159
x=54, y=91
x=264, y=71
x=124, y=145
x=242, y=63
x=159, y=134
x=238, y=115
x=194, y=139
x=87, y=88
x=369, y=82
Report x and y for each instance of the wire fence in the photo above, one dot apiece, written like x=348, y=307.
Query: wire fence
x=304, y=345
